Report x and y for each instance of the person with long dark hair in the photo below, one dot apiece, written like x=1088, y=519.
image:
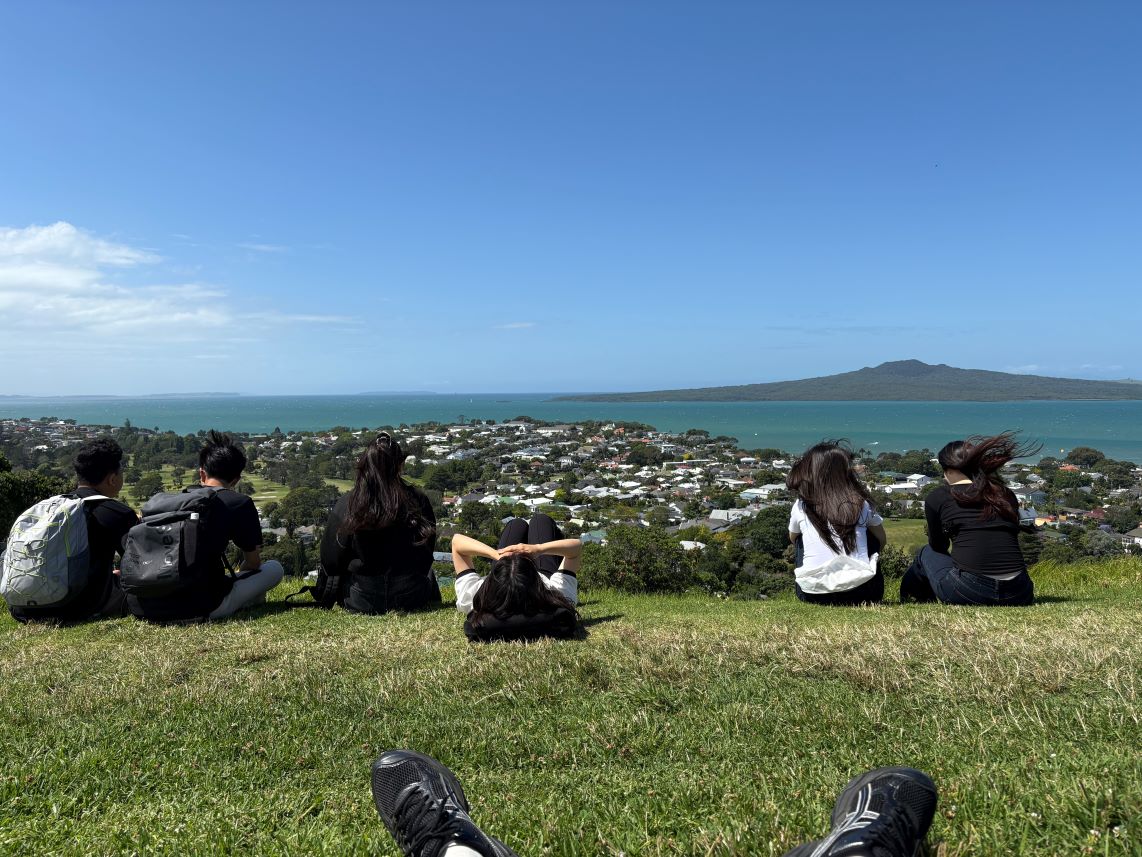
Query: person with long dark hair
x=835, y=528
x=532, y=589
x=978, y=514
x=380, y=537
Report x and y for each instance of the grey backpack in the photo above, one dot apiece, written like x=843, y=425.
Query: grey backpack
x=47, y=560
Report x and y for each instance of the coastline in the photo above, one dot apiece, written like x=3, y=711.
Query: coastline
x=1115, y=427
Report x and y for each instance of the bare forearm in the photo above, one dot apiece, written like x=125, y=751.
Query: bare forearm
x=466, y=547
x=567, y=548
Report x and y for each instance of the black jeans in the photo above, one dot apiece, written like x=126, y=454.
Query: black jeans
x=541, y=529
x=871, y=591
x=933, y=576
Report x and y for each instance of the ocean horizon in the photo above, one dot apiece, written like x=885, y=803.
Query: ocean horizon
x=1113, y=427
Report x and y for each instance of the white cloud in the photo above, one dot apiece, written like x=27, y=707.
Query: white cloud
x=65, y=291
x=515, y=325
x=63, y=242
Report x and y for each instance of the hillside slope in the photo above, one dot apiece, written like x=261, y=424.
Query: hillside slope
x=680, y=725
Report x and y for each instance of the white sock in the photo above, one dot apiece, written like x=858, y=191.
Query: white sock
x=455, y=850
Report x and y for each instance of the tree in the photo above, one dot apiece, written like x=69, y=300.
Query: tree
x=636, y=559
x=304, y=507
x=1031, y=544
x=712, y=570
x=1084, y=456
x=1123, y=518
x=149, y=484
x=21, y=489
x=642, y=454
x=291, y=553
x=1100, y=544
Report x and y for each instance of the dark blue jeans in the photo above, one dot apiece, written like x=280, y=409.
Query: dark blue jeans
x=869, y=592
x=933, y=576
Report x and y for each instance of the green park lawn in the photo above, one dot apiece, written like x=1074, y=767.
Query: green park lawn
x=265, y=490
x=679, y=725
x=907, y=533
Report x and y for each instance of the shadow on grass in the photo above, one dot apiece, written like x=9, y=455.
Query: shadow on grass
x=582, y=632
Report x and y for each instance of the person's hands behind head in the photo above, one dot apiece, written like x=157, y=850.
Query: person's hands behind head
x=525, y=550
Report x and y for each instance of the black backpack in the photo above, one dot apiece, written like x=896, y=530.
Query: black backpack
x=329, y=590
x=174, y=548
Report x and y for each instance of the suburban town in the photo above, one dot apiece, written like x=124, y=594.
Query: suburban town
x=591, y=477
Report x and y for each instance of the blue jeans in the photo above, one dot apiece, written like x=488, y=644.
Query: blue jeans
x=933, y=576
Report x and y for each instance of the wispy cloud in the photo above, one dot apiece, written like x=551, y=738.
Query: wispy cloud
x=301, y=318
x=1027, y=369
x=264, y=248
x=515, y=325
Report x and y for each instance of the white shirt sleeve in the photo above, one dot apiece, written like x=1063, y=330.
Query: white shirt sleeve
x=869, y=518
x=566, y=585
x=795, y=516
x=467, y=585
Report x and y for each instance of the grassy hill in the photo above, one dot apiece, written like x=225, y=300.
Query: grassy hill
x=901, y=380
x=680, y=725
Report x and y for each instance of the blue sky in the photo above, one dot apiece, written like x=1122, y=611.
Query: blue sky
x=530, y=196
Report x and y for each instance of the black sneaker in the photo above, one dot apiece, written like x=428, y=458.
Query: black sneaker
x=884, y=813
x=423, y=806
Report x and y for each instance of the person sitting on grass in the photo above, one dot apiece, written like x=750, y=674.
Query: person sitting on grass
x=98, y=467
x=977, y=512
x=835, y=528
x=380, y=536
x=218, y=595
x=529, y=593
x=881, y=813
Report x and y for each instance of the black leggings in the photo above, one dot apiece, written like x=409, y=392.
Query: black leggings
x=541, y=529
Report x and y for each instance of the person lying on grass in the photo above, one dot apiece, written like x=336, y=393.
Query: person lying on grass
x=531, y=591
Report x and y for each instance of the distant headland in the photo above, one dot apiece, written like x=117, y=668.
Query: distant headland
x=900, y=380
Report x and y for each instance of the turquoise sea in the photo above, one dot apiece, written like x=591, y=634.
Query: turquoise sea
x=1113, y=427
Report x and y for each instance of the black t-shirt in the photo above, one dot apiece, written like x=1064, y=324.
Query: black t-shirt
x=238, y=523
x=389, y=571
x=982, y=545
x=107, y=524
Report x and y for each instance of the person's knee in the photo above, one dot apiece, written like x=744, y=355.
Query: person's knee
x=274, y=572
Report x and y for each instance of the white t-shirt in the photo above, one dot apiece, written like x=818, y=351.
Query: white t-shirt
x=817, y=550
x=469, y=583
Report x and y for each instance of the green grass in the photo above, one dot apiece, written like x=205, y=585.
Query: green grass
x=907, y=533
x=681, y=725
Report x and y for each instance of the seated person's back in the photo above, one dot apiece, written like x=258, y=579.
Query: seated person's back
x=380, y=536
x=217, y=594
x=99, y=470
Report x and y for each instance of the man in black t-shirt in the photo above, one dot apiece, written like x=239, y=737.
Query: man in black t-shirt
x=220, y=466
x=99, y=470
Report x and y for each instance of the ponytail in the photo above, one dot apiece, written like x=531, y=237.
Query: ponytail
x=381, y=498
